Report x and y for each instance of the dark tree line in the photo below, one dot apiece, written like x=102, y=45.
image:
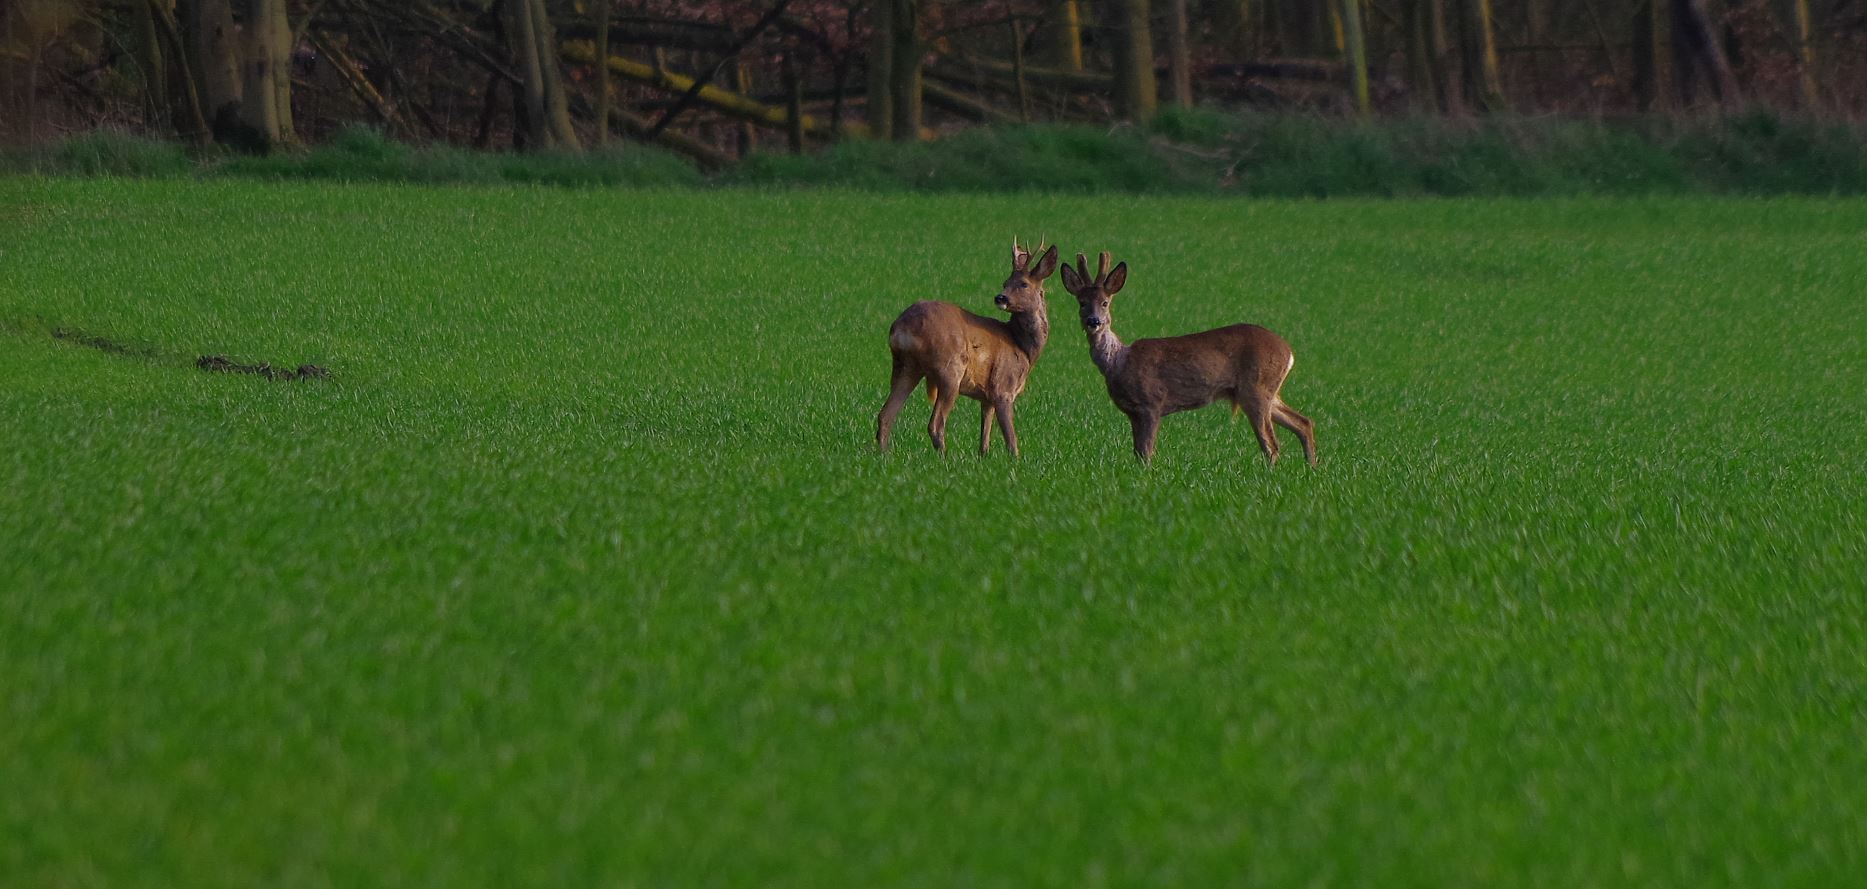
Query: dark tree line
x=719, y=78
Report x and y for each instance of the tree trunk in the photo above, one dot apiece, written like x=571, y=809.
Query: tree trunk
x=745, y=136
x=282, y=47
x=149, y=58
x=1179, y=54
x=489, y=108
x=546, y=114
x=1451, y=97
x=601, y=9
x=1478, y=45
x=881, y=68
x=1066, y=36
x=1649, y=50
x=905, y=82
x=1422, y=62
x=1136, y=95
x=1276, y=30
x=793, y=103
x=1232, y=19
x=1805, y=52
x=9, y=76
x=264, y=63
x=1438, y=56
x=214, y=57
x=184, y=97
x=1017, y=72
x=1357, y=55
x=529, y=131
x=1697, y=53
x=557, y=104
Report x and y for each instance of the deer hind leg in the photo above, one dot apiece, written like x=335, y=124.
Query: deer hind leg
x=945, y=392
x=899, y=388
x=985, y=428
x=1299, y=424
x=1258, y=411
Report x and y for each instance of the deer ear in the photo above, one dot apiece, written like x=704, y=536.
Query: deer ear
x=1046, y=265
x=1071, y=281
x=1116, y=279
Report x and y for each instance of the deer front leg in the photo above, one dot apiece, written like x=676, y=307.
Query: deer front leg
x=985, y=428
x=1145, y=428
x=1005, y=426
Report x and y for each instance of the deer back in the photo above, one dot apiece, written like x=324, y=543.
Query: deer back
x=1179, y=373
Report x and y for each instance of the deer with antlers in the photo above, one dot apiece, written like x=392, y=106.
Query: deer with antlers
x=1149, y=379
x=960, y=353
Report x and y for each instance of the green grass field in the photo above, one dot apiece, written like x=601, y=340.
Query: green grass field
x=580, y=568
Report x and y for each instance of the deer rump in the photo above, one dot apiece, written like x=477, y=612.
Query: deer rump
x=1180, y=373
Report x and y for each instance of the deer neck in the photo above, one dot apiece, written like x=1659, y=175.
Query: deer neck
x=1030, y=330
x=1106, y=349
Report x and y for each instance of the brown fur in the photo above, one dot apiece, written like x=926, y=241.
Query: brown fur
x=960, y=353
x=1244, y=364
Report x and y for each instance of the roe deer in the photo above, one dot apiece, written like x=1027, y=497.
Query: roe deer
x=960, y=353
x=1243, y=363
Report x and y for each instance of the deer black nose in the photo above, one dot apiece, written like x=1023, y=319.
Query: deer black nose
x=1093, y=321
x=1001, y=300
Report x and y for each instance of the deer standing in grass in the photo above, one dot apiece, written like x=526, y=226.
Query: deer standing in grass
x=960, y=353
x=1243, y=363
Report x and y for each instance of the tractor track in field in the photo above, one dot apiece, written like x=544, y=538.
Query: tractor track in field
x=207, y=363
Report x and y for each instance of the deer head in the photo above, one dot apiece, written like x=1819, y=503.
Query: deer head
x=1024, y=290
x=1093, y=295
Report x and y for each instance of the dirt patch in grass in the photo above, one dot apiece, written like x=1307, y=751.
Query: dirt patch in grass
x=209, y=363
x=223, y=364
x=102, y=344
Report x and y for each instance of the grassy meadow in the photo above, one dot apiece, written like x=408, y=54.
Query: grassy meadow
x=580, y=567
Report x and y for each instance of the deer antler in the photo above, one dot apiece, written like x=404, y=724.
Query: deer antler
x=1102, y=267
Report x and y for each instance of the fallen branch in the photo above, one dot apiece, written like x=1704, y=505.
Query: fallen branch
x=963, y=105
x=669, y=34
x=1278, y=69
x=352, y=76
x=1075, y=105
x=724, y=101
x=703, y=155
x=971, y=68
x=732, y=52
